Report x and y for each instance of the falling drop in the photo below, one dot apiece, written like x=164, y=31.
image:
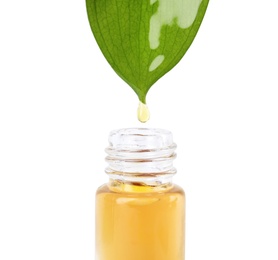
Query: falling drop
x=143, y=113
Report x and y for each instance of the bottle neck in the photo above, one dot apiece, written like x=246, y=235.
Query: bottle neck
x=140, y=159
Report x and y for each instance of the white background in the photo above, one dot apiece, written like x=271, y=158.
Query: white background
x=59, y=99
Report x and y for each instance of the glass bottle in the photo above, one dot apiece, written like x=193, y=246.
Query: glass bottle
x=140, y=213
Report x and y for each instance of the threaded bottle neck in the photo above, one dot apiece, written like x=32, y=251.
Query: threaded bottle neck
x=142, y=155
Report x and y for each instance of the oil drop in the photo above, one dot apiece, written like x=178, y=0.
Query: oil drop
x=143, y=112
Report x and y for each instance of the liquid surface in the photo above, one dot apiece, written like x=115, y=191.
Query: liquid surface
x=140, y=226
x=143, y=112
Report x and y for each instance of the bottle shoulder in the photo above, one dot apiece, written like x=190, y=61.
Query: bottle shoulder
x=177, y=189
x=103, y=189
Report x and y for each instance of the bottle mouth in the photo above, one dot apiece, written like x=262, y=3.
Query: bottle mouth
x=138, y=139
x=141, y=150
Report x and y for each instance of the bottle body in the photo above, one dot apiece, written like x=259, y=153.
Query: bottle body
x=142, y=225
x=140, y=213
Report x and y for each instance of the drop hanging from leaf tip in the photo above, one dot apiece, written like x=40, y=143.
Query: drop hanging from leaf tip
x=143, y=112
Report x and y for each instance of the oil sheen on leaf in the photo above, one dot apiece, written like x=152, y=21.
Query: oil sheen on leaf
x=144, y=39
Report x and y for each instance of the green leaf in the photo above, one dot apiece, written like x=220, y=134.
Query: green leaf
x=144, y=39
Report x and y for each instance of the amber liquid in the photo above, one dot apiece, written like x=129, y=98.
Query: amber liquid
x=135, y=222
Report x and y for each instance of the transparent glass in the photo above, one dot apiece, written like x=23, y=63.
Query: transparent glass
x=140, y=213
